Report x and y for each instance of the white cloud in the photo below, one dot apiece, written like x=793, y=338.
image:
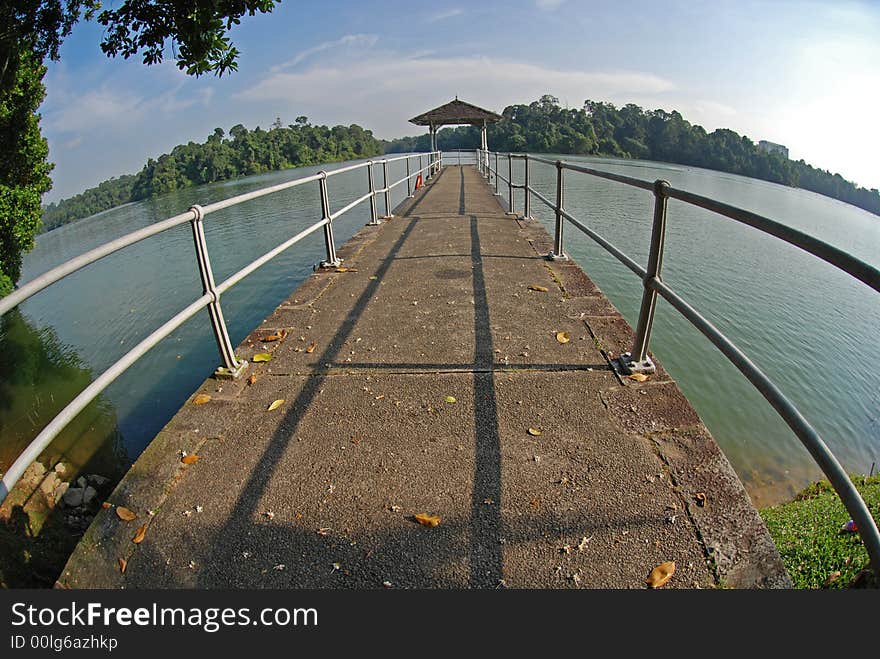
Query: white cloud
x=443, y=15
x=382, y=92
x=347, y=41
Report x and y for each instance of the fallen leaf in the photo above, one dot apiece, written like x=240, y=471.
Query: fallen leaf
x=534, y=432
x=122, y=565
x=324, y=530
x=140, y=535
x=106, y=505
x=190, y=459
x=374, y=278
x=344, y=269
x=311, y=348
x=261, y=357
x=275, y=405
x=638, y=377
x=450, y=399
x=252, y=379
x=428, y=520
x=562, y=337
x=539, y=289
x=201, y=399
x=700, y=498
x=125, y=514
x=582, y=545
x=834, y=576
x=661, y=574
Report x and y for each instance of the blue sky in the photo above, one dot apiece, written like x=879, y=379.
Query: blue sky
x=805, y=74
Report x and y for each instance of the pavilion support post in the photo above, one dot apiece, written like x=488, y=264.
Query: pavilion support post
x=484, y=150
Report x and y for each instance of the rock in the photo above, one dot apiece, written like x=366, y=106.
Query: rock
x=60, y=491
x=81, y=481
x=89, y=495
x=97, y=481
x=49, y=484
x=74, y=497
x=34, y=473
x=60, y=468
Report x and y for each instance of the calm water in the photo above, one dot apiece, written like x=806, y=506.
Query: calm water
x=807, y=325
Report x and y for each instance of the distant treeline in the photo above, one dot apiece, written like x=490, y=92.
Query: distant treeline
x=219, y=158
x=631, y=132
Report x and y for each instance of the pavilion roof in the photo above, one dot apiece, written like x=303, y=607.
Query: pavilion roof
x=456, y=112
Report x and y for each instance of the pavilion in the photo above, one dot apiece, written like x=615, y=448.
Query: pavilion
x=456, y=113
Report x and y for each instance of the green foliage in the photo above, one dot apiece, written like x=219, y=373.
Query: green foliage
x=196, y=28
x=24, y=168
x=31, y=31
x=631, y=132
x=807, y=534
x=220, y=158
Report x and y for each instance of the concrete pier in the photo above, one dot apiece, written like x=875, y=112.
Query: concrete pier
x=426, y=377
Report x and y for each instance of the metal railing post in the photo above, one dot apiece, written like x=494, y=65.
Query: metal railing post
x=332, y=261
x=510, y=210
x=496, y=173
x=387, y=195
x=409, y=192
x=527, y=206
x=374, y=216
x=421, y=167
x=231, y=368
x=558, y=252
x=638, y=360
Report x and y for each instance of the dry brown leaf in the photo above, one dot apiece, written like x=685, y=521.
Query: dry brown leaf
x=563, y=337
x=201, y=399
x=344, y=269
x=190, y=459
x=122, y=565
x=661, y=574
x=261, y=357
x=275, y=405
x=273, y=337
x=324, y=530
x=428, y=520
x=106, y=505
x=834, y=576
x=125, y=514
x=539, y=289
x=312, y=347
x=700, y=498
x=140, y=535
x=252, y=379
x=638, y=377
x=534, y=432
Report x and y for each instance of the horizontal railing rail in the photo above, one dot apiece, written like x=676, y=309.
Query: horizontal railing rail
x=638, y=360
x=427, y=164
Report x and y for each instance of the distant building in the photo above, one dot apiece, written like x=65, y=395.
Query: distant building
x=772, y=147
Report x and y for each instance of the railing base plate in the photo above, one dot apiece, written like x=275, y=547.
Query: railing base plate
x=625, y=364
x=553, y=256
x=223, y=373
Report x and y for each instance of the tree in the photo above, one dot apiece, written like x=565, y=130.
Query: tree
x=33, y=30
x=24, y=167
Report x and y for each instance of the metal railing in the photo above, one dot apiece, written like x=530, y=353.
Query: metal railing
x=638, y=359
x=427, y=163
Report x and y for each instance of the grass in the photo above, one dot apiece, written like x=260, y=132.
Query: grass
x=807, y=534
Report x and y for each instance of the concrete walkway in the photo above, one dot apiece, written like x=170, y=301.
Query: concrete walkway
x=322, y=491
